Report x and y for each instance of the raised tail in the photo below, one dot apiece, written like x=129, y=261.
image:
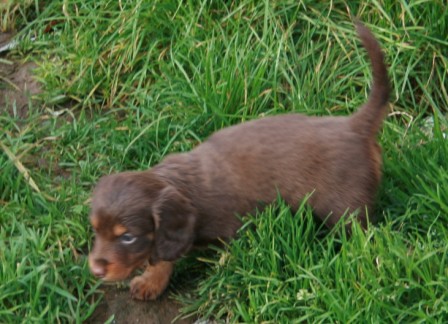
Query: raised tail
x=369, y=118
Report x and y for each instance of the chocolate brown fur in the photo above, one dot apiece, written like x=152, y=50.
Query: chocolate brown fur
x=193, y=198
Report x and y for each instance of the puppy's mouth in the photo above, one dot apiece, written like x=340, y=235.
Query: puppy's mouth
x=114, y=271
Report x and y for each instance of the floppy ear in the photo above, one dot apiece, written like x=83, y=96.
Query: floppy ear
x=174, y=219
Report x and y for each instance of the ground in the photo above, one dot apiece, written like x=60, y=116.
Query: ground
x=125, y=310
x=18, y=83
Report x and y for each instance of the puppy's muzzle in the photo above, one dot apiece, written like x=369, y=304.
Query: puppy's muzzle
x=98, y=267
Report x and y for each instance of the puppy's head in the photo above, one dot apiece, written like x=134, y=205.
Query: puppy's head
x=137, y=218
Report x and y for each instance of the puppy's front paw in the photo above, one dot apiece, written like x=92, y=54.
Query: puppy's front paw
x=152, y=283
x=142, y=288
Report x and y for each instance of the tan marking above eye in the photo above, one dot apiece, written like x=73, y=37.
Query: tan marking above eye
x=119, y=230
x=150, y=236
x=95, y=222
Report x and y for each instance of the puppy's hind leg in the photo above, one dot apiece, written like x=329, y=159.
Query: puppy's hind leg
x=153, y=282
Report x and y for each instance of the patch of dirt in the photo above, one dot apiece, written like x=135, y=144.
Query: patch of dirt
x=17, y=85
x=117, y=302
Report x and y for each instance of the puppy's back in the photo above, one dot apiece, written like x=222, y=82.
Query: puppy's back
x=292, y=155
x=337, y=158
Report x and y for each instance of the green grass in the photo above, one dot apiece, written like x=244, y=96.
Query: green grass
x=126, y=83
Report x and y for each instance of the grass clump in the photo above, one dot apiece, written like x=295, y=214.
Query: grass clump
x=17, y=14
x=40, y=276
x=283, y=268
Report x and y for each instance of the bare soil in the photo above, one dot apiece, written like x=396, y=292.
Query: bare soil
x=118, y=303
x=17, y=85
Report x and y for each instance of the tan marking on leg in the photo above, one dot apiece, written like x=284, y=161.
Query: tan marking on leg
x=153, y=282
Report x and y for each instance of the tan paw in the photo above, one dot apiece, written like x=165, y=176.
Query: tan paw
x=144, y=289
x=152, y=283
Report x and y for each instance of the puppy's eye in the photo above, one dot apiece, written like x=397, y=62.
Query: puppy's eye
x=127, y=238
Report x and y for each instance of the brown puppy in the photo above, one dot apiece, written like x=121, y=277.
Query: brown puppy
x=192, y=199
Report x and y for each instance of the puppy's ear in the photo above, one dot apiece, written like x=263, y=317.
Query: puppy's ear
x=174, y=219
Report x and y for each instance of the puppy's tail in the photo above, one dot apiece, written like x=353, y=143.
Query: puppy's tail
x=369, y=118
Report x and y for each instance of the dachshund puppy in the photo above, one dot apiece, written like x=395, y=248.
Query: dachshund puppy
x=192, y=199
